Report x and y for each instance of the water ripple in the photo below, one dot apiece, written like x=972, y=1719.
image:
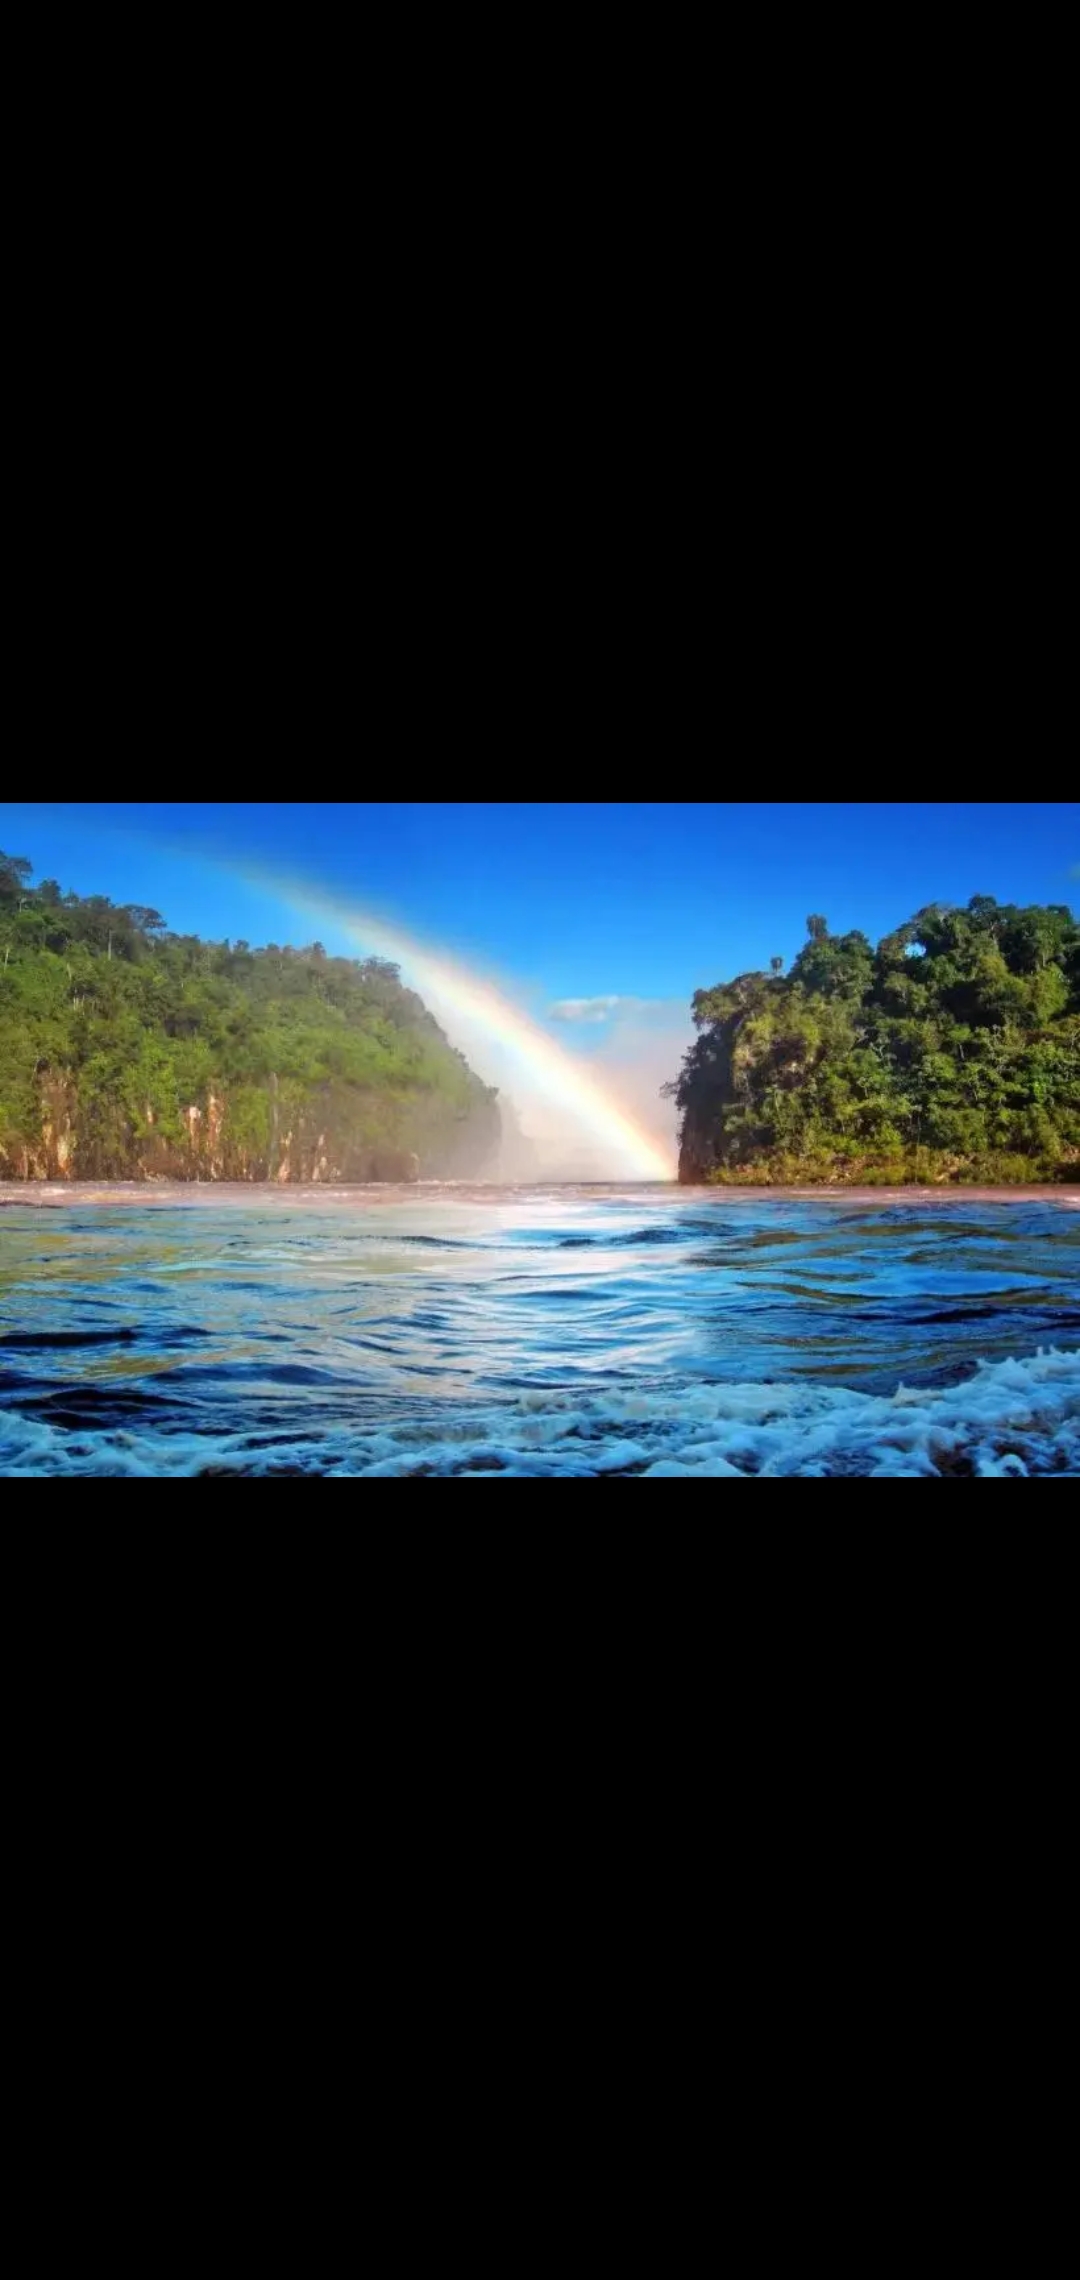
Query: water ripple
x=621, y=1332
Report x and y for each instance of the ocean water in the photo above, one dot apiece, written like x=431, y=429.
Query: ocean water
x=559, y=1332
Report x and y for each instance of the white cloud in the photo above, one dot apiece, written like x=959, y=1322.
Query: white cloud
x=613, y=1009
x=586, y=1009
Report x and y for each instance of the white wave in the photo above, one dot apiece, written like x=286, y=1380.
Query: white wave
x=1011, y=1418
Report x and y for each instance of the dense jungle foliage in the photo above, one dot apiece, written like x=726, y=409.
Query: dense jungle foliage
x=949, y=1053
x=129, y=1052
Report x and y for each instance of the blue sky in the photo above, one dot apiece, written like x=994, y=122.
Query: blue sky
x=645, y=900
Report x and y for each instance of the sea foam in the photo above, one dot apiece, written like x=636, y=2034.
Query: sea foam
x=1009, y=1419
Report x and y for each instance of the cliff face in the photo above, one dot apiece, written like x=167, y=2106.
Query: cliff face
x=306, y=1142
x=696, y=1157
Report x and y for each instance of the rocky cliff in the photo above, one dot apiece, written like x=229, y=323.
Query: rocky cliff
x=309, y=1146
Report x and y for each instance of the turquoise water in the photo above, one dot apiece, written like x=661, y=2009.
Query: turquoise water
x=556, y=1332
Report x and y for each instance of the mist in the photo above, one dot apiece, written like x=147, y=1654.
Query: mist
x=639, y=1051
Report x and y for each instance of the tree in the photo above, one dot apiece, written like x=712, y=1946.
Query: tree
x=817, y=928
x=16, y=872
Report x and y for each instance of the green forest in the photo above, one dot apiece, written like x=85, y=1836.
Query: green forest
x=949, y=1053
x=128, y=1052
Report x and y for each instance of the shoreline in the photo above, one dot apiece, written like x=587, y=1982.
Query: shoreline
x=212, y=1194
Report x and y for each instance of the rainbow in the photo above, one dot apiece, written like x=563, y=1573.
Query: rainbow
x=566, y=1083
